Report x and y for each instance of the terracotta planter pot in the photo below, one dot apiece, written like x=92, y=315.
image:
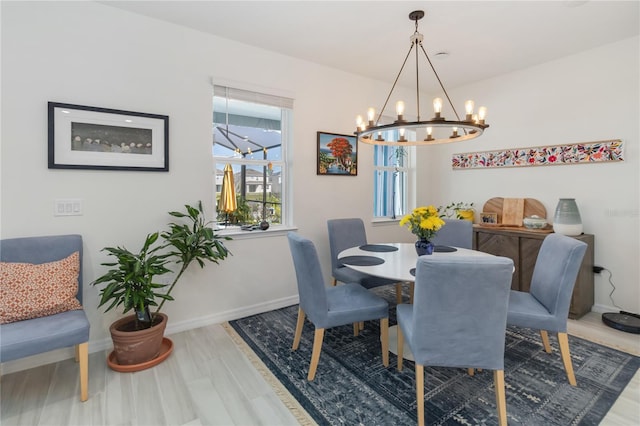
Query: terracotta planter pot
x=137, y=347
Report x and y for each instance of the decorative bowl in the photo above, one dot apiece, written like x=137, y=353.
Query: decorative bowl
x=534, y=222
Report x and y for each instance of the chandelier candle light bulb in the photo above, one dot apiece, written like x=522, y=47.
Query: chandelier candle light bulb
x=371, y=115
x=468, y=106
x=482, y=113
x=437, y=108
x=400, y=111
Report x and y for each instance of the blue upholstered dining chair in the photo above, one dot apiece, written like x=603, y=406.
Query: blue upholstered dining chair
x=546, y=306
x=458, y=319
x=332, y=306
x=456, y=233
x=33, y=336
x=346, y=233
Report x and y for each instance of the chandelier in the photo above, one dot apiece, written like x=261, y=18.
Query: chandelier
x=436, y=130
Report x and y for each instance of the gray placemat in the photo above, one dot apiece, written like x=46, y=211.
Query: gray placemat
x=361, y=260
x=378, y=247
x=444, y=249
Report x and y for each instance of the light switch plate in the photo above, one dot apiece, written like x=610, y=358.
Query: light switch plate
x=67, y=207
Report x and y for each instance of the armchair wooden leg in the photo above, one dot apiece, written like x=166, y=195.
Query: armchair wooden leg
x=384, y=339
x=545, y=341
x=334, y=282
x=298, y=333
x=471, y=371
x=400, y=348
x=501, y=400
x=361, y=324
x=82, y=351
x=412, y=287
x=563, y=342
x=356, y=328
x=398, y=293
x=315, y=355
x=420, y=393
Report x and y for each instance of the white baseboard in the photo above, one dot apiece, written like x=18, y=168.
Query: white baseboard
x=604, y=308
x=172, y=328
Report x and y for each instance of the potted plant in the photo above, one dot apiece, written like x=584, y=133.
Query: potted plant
x=130, y=282
x=460, y=210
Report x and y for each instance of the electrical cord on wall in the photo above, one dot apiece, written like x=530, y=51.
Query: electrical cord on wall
x=613, y=288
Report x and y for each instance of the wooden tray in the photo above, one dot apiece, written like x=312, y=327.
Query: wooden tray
x=530, y=207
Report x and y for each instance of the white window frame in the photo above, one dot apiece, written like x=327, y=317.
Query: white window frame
x=234, y=91
x=407, y=199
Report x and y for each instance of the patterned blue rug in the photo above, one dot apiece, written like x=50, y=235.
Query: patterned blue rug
x=353, y=388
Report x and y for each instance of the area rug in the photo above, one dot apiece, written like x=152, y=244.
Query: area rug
x=352, y=387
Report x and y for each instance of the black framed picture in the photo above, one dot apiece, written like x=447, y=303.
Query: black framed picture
x=337, y=154
x=86, y=137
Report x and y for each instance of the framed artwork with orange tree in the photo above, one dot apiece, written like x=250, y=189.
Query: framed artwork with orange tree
x=337, y=154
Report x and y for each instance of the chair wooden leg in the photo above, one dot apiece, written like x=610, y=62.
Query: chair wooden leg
x=400, y=348
x=356, y=328
x=77, y=353
x=83, y=357
x=471, y=371
x=412, y=287
x=315, y=355
x=384, y=339
x=501, y=400
x=334, y=282
x=563, y=342
x=545, y=341
x=420, y=393
x=398, y=293
x=361, y=324
x=298, y=333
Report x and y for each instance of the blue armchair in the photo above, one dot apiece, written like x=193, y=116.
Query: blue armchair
x=546, y=306
x=331, y=306
x=458, y=319
x=38, y=335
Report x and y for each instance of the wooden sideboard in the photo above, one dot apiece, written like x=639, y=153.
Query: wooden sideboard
x=522, y=246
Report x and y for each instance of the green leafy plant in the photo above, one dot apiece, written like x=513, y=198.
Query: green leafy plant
x=241, y=215
x=130, y=280
x=191, y=241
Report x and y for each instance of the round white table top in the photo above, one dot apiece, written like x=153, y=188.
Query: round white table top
x=398, y=264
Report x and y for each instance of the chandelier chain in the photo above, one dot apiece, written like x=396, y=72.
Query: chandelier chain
x=394, y=85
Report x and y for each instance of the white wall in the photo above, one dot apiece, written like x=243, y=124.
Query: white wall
x=587, y=97
x=90, y=54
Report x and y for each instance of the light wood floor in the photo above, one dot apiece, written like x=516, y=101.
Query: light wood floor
x=208, y=380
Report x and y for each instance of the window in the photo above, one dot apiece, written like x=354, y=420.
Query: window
x=251, y=133
x=393, y=177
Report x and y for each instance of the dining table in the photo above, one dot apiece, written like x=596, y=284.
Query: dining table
x=395, y=261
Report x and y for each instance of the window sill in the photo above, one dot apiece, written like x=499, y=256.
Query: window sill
x=385, y=221
x=238, y=234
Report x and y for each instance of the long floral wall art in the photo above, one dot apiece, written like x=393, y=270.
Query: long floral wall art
x=586, y=152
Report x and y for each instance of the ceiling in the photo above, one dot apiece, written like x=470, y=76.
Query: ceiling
x=371, y=38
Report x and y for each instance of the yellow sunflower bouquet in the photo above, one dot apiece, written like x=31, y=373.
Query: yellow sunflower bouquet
x=424, y=222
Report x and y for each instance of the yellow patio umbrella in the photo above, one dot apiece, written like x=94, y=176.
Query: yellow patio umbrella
x=228, y=201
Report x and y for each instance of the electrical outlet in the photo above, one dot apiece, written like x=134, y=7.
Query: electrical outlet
x=597, y=269
x=67, y=207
